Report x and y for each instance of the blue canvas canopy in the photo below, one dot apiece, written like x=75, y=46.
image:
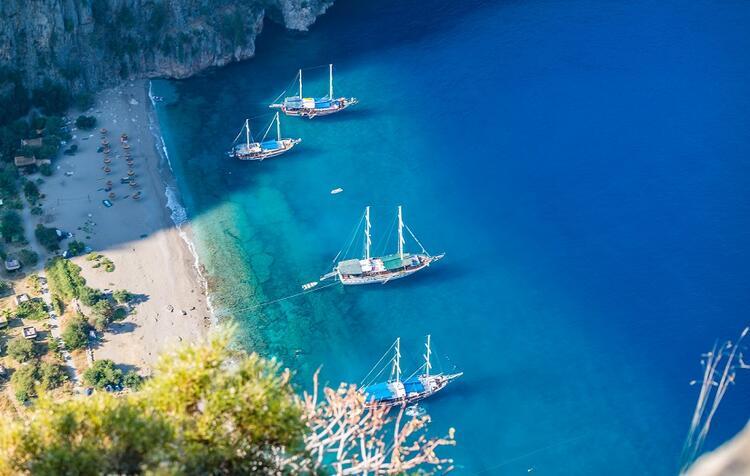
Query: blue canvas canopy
x=384, y=391
x=270, y=145
x=414, y=385
x=322, y=103
x=293, y=102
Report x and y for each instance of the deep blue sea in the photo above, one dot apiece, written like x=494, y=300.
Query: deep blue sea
x=584, y=165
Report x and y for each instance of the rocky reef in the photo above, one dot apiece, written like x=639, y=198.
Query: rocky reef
x=88, y=44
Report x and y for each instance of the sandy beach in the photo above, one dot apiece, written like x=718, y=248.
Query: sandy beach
x=151, y=258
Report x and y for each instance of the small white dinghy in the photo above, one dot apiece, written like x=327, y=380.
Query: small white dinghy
x=309, y=285
x=336, y=191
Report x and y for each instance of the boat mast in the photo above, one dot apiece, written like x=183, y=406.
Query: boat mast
x=368, y=240
x=427, y=365
x=278, y=128
x=397, y=361
x=400, y=234
x=330, y=81
x=247, y=133
x=300, y=83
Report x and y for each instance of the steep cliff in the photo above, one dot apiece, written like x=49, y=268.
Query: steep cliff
x=88, y=44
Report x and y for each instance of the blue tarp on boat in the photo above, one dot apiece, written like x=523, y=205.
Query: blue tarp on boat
x=322, y=103
x=379, y=391
x=293, y=102
x=270, y=145
x=413, y=385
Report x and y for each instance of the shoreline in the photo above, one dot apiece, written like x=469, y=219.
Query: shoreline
x=178, y=213
x=149, y=240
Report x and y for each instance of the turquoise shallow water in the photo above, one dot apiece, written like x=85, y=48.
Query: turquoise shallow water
x=584, y=167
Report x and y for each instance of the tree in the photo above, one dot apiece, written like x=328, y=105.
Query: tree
x=122, y=296
x=31, y=191
x=103, y=373
x=211, y=409
x=11, y=226
x=28, y=257
x=52, y=97
x=23, y=381
x=51, y=375
x=74, y=334
x=33, y=309
x=86, y=122
x=89, y=296
x=22, y=350
x=76, y=248
x=132, y=380
x=47, y=237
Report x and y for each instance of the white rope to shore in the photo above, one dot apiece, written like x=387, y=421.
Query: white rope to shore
x=274, y=301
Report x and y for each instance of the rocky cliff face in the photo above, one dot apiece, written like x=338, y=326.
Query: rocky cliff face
x=89, y=44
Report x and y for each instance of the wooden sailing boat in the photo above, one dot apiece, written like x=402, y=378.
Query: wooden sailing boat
x=263, y=149
x=398, y=391
x=370, y=270
x=311, y=107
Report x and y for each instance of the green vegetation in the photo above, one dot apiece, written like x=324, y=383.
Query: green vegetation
x=31, y=191
x=74, y=335
x=51, y=97
x=102, y=313
x=65, y=280
x=84, y=101
x=208, y=409
x=33, y=309
x=198, y=415
x=47, y=237
x=101, y=261
x=23, y=381
x=102, y=374
x=22, y=350
x=89, y=296
x=132, y=380
x=51, y=375
x=5, y=287
x=122, y=296
x=28, y=257
x=11, y=227
x=27, y=378
x=57, y=305
x=86, y=122
x=76, y=248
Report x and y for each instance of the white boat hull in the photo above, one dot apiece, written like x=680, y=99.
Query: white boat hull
x=384, y=277
x=287, y=145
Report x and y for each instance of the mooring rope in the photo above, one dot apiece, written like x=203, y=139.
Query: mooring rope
x=274, y=301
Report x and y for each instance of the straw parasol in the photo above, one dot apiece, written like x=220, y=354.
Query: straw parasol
x=123, y=136
x=103, y=130
x=130, y=162
x=131, y=173
x=107, y=160
x=136, y=195
x=111, y=195
x=107, y=170
x=105, y=142
x=133, y=184
x=126, y=146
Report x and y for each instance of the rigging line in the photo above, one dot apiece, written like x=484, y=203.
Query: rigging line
x=287, y=297
x=310, y=68
x=415, y=372
x=373, y=379
x=267, y=130
x=416, y=239
x=378, y=362
x=383, y=244
x=351, y=240
x=238, y=135
x=287, y=88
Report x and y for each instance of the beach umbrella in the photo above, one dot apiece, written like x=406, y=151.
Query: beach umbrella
x=130, y=163
x=111, y=195
x=103, y=130
x=107, y=160
x=136, y=195
x=107, y=170
x=131, y=173
x=109, y=183
x=126, y=146
x=105, y=142
x=132, y=183
x=124, y=136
